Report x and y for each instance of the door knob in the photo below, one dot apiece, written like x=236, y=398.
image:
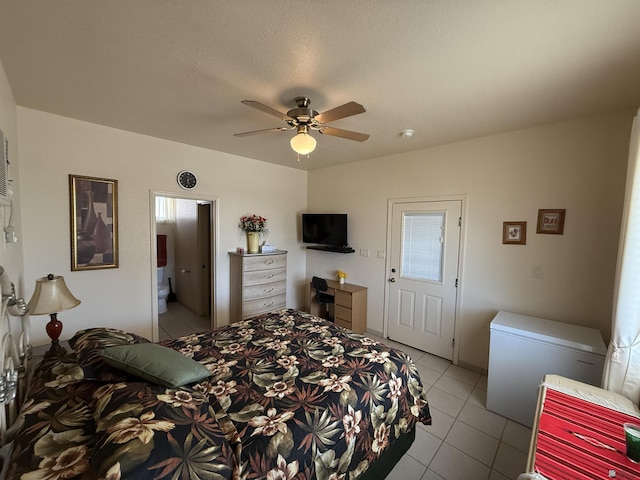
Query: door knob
x=392, y=279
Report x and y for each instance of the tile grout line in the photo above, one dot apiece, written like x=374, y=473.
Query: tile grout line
x=457, y=418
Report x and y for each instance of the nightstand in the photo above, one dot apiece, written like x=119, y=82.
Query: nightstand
x=39, y=353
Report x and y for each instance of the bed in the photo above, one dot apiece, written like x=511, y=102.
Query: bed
x=285, y=395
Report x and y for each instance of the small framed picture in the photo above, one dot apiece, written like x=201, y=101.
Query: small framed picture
x=551, y=221
x=514, y=233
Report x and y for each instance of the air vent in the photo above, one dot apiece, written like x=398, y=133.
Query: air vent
x=4, y=170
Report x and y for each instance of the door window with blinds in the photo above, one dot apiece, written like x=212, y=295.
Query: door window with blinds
x=422, y=246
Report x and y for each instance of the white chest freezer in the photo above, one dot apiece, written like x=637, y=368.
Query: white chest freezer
x=524, y=349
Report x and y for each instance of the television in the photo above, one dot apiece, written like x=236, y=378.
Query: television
x=325, y=229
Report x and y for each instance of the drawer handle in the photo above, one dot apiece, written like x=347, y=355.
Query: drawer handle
x=268, y=304
x=269, y=276
x=268, y=291
x=586, y=363
x=269, y=262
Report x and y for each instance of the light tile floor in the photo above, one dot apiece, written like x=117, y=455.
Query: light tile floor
x=180, y=321
x=465, y=441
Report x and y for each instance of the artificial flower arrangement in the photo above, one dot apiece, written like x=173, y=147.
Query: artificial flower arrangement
x=341, y=274
x=253, y=223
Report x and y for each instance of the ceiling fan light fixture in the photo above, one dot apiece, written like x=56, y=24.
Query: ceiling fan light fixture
x=304, y=119
x=303, y=143
x=406, y=133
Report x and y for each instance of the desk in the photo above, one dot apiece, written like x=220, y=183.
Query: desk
x=350, y=304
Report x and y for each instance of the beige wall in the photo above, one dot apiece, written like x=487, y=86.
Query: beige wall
x=52, y=147
x=11, y=254
x=578, y=165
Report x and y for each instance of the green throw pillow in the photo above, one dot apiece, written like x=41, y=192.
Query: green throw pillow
x=155, y=363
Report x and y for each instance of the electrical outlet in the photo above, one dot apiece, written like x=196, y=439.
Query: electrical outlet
x=536, y=271
x=364, y=252
x=381, y=254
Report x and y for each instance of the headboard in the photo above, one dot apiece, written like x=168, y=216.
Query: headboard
x=15, y=352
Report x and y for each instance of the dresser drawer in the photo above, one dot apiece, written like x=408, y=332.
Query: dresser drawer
x=343, y=313
x=264, y=290
x=263, y=305
x=263, y=262
x=264, y=276
x=343, y=298
x=258, y=284
x=342, y=323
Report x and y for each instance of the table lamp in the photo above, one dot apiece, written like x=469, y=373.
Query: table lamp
x=50, y=297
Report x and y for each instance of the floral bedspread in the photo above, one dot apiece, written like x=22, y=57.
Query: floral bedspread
x=290, y=396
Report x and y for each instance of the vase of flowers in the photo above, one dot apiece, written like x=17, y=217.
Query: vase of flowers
x=254, y=226
x=341, y=276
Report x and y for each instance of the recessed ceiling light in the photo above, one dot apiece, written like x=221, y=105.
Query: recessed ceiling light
x=406, y=133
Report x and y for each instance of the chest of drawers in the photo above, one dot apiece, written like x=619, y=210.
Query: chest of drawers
x=258, y=283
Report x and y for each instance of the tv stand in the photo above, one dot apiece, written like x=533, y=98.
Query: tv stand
x=332, y=248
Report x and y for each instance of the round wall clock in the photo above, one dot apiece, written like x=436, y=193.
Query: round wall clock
x=187, y=179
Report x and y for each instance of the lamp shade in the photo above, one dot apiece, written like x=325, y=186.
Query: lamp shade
x=51, y=296
x=303, y=143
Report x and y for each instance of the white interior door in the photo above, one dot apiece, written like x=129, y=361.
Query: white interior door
x=187, y=264
x=424, y=251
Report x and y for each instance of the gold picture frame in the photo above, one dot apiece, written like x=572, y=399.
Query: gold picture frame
x=514, y=233
x=94, y=222
x=551, y=221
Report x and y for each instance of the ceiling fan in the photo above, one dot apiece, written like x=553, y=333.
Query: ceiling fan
x=304, y=119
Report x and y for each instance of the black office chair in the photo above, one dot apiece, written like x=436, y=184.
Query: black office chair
x=320, y=285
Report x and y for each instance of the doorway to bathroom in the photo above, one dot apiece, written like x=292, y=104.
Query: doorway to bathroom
x=183, y=262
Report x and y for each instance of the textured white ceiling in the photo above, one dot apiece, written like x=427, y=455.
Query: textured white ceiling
x=447, y=69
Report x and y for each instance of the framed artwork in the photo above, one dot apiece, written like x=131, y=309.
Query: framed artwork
x=514, y=233
x=94, y=222
x=551, y=221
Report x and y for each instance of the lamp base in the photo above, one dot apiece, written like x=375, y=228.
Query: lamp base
x=55, y=351
x=54, y=329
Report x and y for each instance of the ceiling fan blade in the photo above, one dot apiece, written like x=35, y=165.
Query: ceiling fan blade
x=346, y=110
x=266, y=130
x=348, y=134
x=266, y=109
